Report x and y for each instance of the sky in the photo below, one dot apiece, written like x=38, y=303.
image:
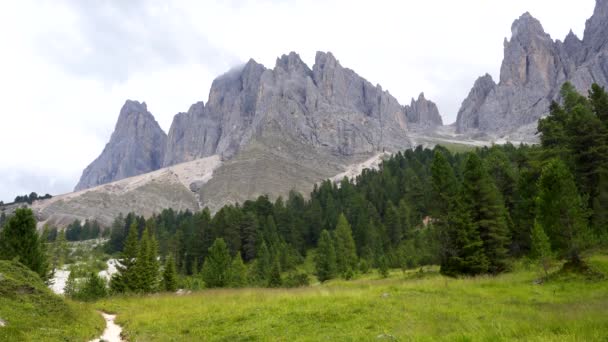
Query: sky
x=67, y=66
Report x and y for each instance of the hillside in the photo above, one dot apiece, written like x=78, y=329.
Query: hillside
x=29, y=311
x=407, y=306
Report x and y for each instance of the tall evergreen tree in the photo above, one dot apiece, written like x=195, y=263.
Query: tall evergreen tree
x=169, y=275
x=561, y=212
x=275, y=274
x=325, y=260
x=19, y=240
x=345, y=250
x=486, y=209
x=216, y=269
x=126, y=279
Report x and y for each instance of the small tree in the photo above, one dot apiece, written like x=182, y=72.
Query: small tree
x=169, y=276
x=238, y=272
x=93, y=288
x=541, y=247
x=325, y=260
x=346, y=252
x=275, y=274
x=383, y=267
x=19, y=240
x=217, y=265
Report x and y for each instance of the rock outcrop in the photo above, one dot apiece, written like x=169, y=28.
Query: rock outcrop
x=423, y=113
x=136, y=146
x=532, y=72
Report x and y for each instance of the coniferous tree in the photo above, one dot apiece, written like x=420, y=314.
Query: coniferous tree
x=263, y=263
x=325, y=260
x=275, y=274
x=561, y=212
x=383, y=267
x=19, y=240
x=486, y=209
x=216, y=269
x=238, y=272
x=126, y=279
x=444, y=191
x=345, y=250
x=541, y=247
x=466, y=253
x=169, y=275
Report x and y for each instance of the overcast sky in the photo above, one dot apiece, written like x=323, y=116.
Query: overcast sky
x=66, y=67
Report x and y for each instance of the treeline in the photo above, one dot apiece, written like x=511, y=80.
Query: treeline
x=30, y=198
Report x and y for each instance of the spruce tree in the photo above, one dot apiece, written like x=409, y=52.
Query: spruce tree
x=541, y=247
x=444, y=191
x=125, y=279
x=325, y=260
x=238, y=272
x=486, y=209
x=346, y=252
x=466, y=253
x=275, y=274
x=263, y=263
x=561, y=212
x=216, y=269
x=19, y=240
x=169, y=275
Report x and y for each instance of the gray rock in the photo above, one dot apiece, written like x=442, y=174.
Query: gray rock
x=329, y=107
x=533, y=70
x=137, y=146
x=423, y=112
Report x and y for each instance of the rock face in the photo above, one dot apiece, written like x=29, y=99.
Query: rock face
x=137, y=146
x=328, y=107
x=533, y=70
x=423, y=113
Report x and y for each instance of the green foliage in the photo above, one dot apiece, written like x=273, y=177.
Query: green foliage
x=325, y=259
x=169, y=275
x=485, y=206
x=275, y=279
x=561, y=212
x=238, y=272
x=216, y=269
x=383, y=268
x=19, y=241
x=345, y=250
x=541, y=247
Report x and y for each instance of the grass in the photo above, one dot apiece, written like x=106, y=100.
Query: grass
x=410, y=306
x=33, y=313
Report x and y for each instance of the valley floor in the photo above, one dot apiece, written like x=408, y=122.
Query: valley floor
x=410, y=306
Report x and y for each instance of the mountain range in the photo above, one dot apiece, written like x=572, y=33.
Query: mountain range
x=269, y=131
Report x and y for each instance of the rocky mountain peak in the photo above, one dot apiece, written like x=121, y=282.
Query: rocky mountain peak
x=136, y=146
x=292, y=63
x=423, y=112
x=529, y=55
x=596, y=28
x=525, y=26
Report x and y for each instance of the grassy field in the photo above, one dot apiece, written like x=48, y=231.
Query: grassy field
x=30, y=311
x=409, y=306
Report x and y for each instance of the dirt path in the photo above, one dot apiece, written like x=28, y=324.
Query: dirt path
x=112, y=332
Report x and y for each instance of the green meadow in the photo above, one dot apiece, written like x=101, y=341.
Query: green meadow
x=415, y=305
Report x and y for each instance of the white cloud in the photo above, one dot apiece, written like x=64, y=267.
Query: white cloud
x=67, y=66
